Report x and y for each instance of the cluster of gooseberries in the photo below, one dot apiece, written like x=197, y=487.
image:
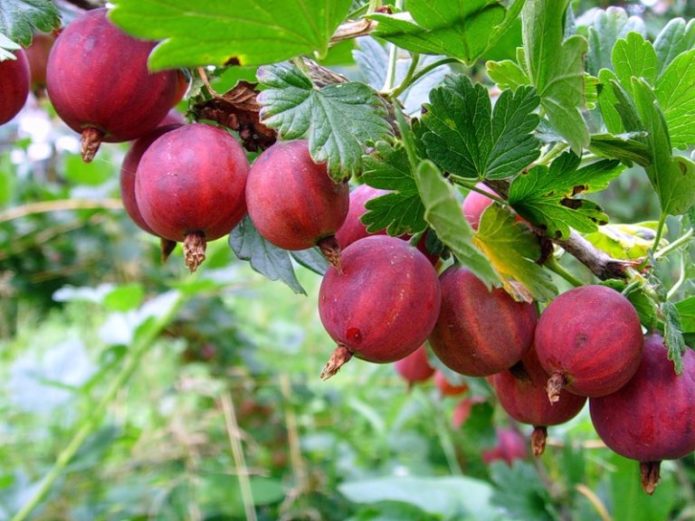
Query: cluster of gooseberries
x=381, y=299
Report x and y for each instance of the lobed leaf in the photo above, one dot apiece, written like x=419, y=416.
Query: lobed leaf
x=443, y=213
x=464, y=136
x=338, y=120
x=607, y=27
x=20, y=18
x=633, y=56
x=673, y=335
x=545, y=196
x=686, y=313
x=673, y=178
x=512, y=249
x=265, y=258
x=675, y=38
x=7, y=48
x=556, y=68
x=252, y=32
x=462, y=29
x=507, y=74
x=400, y=211
x=675, y=91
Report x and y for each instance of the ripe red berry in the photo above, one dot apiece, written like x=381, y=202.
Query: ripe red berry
x=480, y=332
x=189, y=186
x=415, y=367
x=510, y=446
x=446, y=388
x=521, y=392
x=37, y=54
x=293, y=202
x=129, y=169
x=353, y=228
x=589, y=340
x=475, y=203
x=14, y=86
x=99, y=83
x=381, y=305
x=652, y=418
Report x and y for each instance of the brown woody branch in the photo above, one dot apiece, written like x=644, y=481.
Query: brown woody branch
x=599, y=263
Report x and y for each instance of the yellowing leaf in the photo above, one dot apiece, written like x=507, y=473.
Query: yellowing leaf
x=512, y=249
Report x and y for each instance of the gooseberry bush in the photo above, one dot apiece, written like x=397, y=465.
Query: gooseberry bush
x=463, y=178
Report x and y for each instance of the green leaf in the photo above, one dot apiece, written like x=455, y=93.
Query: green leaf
x=607, y=27
x=673, y=178
x=629, y=500
x=338, y=120
x=686, y=312
x=673, y=335
x=392, y=510
x=443, y=213
x=91, y=174
x=628, y=148
x=624, y=241
x=675, y=91
x=520, y=492
x=372, y=58
x=545, y=196
x=265, y=258
x=676, y=37
x=312, y=259
x=221, y=496
x=507, y=74
x=446, y=496
x=20, y=18
x=462, y=29
x=7, y=48
x=466, y=138
x=634, y=57
x=512, y=249
x=608, y=101
x=400, y=211
x=124, y=298
x=556, y=68
x=254, y=32
x=625, y=108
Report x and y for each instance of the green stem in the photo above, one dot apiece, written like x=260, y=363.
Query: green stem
x=407, y=137
x=472, y=186
x=90, y=423
x=428, y=68
x=233, y=433
x=630, y=287
x=675, y=244
x=681, y=279
x=444, y=436
x=659, y=231
x=553, y=265
x=554, y=152
x=393, y=59
x=407, y=81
